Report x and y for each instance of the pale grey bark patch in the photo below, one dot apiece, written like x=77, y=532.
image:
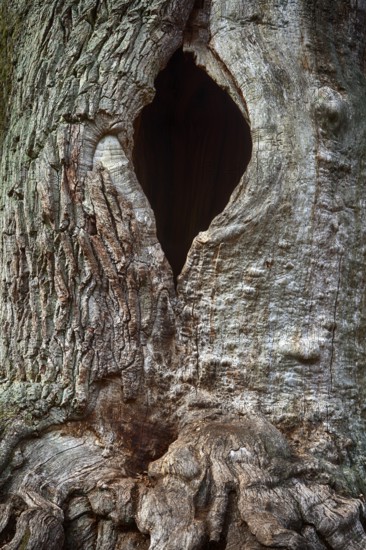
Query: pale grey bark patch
x=109, y=153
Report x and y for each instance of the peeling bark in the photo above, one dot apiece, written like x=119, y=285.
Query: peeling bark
x=226, y=411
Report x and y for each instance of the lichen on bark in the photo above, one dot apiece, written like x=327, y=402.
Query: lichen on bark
x=10, y=26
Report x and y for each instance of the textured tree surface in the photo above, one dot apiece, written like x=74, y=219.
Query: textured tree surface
x=226, y=410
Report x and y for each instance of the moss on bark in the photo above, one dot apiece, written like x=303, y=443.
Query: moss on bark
x=9, y=33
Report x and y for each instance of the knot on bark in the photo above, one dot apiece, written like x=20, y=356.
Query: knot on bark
x=330, y=113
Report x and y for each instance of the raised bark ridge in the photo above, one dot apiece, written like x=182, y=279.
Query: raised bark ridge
x=138, y=416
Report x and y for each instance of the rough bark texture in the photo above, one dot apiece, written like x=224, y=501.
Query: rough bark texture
x=227, y=412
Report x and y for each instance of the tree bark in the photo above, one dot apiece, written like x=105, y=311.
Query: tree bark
x=226, y=411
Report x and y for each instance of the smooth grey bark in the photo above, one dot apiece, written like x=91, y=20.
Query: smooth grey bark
x=228, y=412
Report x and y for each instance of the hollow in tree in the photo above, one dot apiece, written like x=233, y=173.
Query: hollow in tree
x=192, y=145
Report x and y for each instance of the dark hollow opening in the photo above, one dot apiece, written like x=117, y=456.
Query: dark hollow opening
x=191, y=148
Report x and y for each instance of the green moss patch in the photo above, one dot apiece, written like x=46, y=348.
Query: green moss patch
x=9, y=32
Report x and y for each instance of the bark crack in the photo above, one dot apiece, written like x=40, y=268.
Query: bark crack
x=334, y=321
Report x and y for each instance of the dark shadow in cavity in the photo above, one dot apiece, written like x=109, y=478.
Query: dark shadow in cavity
x=191, y=148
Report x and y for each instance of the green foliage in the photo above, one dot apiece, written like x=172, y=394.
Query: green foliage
x=9, y=32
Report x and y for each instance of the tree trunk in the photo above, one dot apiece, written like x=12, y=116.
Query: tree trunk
x=222, y=406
